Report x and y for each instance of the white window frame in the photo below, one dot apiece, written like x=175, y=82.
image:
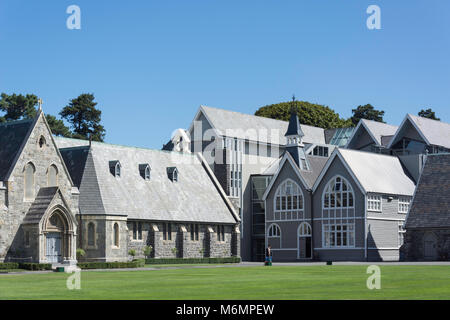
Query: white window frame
x=375, y=203
x=338, y=213
x=270, y=231
x=403, y=204
x=285, y=210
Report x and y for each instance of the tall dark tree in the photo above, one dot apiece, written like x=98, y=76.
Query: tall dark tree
x=428, y=113
x=367, y=112
x=84, y=118
x=308, y=113
x=17, y=107
x=58, y=127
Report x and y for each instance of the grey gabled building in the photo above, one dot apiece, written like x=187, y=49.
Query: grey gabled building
x=351, y=206
x=428, y=222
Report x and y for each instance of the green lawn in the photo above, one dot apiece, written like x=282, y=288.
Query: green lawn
x=282, y=282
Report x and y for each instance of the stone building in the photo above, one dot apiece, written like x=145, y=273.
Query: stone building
x=57, y=195
x=131, y=198
x=428, y=222
x=38, y=200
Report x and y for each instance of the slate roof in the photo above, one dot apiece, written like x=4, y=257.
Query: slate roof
x=294, y=128
x=12, y=136
x=431, y=204
x=225, y=121
x=40, y=205
x=194, y=198
x=436, y=132
x=316, y=165
x=379, y=129
x=378, y=173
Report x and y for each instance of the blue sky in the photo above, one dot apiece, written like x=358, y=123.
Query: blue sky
x=151, y=64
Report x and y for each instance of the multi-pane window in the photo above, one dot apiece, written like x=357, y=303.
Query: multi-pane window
x=338, y=214
x=194, y=232
x=403, y=204
x=167, y=231
x=137, y=230
x=235, y=148
x=274, y=231
x=320, y=151
x=289, y=202
x=374, y=203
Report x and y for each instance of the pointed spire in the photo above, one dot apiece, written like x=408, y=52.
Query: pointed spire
x=294, y=128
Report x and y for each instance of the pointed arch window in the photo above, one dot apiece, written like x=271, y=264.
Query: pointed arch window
x=52, y=176
x=115, y=168
x=29, y=181
x=289, y=202
x=144, y=171
x=116, y=235
x=91, y=234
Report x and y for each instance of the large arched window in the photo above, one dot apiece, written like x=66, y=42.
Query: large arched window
x=289, y=202
x=52, y=176
x=338, y=214
x=116, y=234
x=29, y=181
x=91, y=234
x=274, y=231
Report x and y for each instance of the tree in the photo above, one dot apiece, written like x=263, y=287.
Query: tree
x=428, y=113
x=58, y=127
x=17, y=107
x=367, y=112
x=308, y=113
x=84, y=118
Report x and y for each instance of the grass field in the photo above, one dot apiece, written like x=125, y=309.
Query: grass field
x=282, y=282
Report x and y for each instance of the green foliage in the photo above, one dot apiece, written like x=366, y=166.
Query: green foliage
x=132, y=252
x=80, y=253
x=308, y=113
x=193, y=260
x=174, y=251
x=111, y=265
x=18, y=107
x=147, y=251
x=367, y=112
x=428, y=113
x=35, y=266
x=84, y=118
x=9, y=265
x=57, y=126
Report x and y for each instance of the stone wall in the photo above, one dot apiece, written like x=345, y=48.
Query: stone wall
x=413, y=249
x=12, y=201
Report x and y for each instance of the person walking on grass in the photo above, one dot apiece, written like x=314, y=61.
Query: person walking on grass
x=268, y=255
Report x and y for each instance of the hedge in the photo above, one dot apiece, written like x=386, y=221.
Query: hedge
x=35, y=266
x=138, y=263
x=192, y=260
x=9, y=265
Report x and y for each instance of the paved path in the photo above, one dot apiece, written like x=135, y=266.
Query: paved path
x=254, y=264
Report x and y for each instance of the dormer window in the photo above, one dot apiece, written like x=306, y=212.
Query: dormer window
x=172, y=172
x=115, y=168
x=144, y=171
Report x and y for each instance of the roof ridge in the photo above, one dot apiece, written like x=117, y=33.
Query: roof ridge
x=253, y=115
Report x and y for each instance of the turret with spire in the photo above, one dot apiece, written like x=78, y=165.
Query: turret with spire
x=294, y=136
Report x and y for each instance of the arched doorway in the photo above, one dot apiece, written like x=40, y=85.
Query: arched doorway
x=58, y=237
x=430, y=246
x=304, y=250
